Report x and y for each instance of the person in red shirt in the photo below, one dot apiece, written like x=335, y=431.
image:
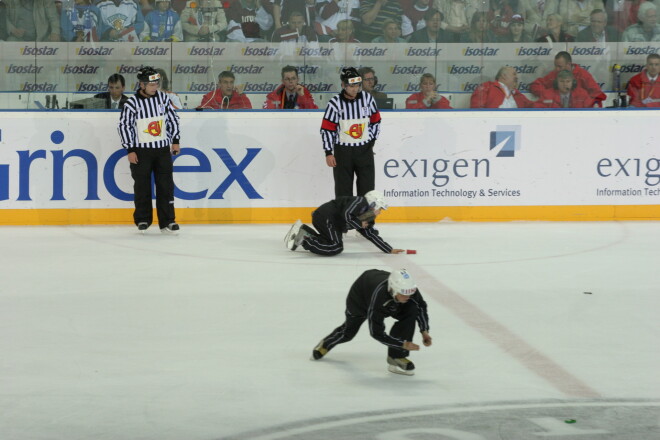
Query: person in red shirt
x=565, y=93
x=291, y=94
x=226, y=96
x=644, y=88
x=427, y=97
x=563, y=61
x=501, y=93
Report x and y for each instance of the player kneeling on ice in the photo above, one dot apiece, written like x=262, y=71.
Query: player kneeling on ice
x=374, y=296
x=336, y=217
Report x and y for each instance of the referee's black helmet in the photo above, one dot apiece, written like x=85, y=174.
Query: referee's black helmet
x=148, y=74
x=350, y=75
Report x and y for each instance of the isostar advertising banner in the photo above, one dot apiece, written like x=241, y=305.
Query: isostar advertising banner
x=270, y=159
x=194, y=67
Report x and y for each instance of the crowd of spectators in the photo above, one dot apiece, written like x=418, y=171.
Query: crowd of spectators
x=382, y=21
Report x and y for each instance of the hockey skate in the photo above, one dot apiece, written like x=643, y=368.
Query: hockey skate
x=400, y=366
x=172, y=228
x=319, y=351
x=142, y=227
x=290, y=237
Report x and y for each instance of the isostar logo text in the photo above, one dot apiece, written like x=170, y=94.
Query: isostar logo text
x=408, y=70
x=197, y=69
x=355, y=131
x=319, y=87
x=588, y=50
x=426, y=52
x=100, y=51
x=480, y=51
x=150, y=51
x=369, y=52
x=307, y=70
x=411, y=87
x=38, y=87
x=469, y=87
x=526, y=68
x=91, y=87
x=259, y=51
x=30, y=69
x=206, y=51
x=533, y=51
x=315, y=52
x=505, y=140
x=245, y=70
x=259, y=87
x=80, y=70
x=128, y=70
x=39, y=51
x=629, y=68
x=201, y=87
x=220, y=163
x=630, y=50
x=465, y=70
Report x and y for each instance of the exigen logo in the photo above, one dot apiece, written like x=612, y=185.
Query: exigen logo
x=620, y=168
x=439, y=170
x=58, y=157
x=505, y=140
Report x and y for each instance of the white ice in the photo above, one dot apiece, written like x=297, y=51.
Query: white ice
x=110, y=335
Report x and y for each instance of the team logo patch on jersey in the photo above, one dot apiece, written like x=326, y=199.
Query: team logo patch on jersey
x=154, y=128
x=356, y=131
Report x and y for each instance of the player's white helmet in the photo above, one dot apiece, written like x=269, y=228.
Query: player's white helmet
x=375, y=199
x=400, y=282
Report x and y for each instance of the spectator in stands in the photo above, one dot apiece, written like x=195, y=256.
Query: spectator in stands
x=369, y=83
x=282, y=10
x=3, y=21
x=146, y=6
x=81, y=22
x=249, y=21
x=598, y=31
x=535, y=13
x=565, y=93
x=114, y=97
x=122, y=20
x=457, y=15
x=501, y=93
x=32, y=20
x=647, y=29
x=374, y=13
x=331, y=12
x=427, y=97
x=166, y=88
x=624, y=13
x=563, y=61
x=204, y=21
x=554, y=32
x=479, y=30
x=295, y=30
x=391, y=33
x=413, y=16
x=344, y=32
x=516, y=32
x=162, y=24
x=225, y=96
x=290, y=94
x=576, y=14
x=644, y=88
x=499, y=16
x=432, y=32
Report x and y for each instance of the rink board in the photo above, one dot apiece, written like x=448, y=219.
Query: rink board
x=67, y=167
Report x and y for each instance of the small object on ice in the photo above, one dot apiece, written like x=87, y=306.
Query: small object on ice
x=587, y=293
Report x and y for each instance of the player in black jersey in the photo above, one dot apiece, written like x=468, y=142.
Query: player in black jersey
x=336, y=217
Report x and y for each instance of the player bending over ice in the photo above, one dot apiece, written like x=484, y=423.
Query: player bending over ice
x=336, y=217
x=374, y=296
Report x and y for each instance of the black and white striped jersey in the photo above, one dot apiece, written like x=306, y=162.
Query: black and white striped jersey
x=148, y=122
x=350, y=123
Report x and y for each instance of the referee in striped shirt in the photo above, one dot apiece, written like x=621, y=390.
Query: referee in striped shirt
x=350, y=127
x=149, y=130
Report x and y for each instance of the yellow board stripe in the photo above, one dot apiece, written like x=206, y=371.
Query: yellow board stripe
x=286, y=215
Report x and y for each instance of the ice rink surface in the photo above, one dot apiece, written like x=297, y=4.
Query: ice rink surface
x=541, y=330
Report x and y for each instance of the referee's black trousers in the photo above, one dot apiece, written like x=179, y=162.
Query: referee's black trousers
x=358, y=161
x=156, y=161
x=403, y=328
